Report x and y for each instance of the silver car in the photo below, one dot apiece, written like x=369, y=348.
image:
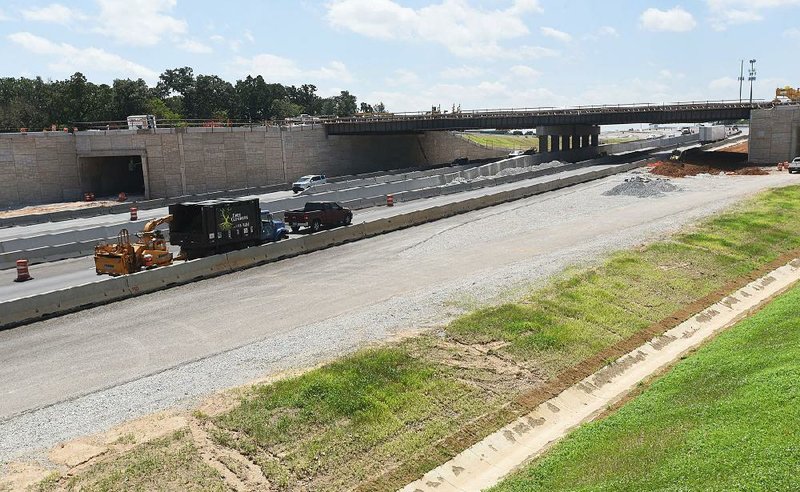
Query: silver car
x=308, y=181
x=794, y=166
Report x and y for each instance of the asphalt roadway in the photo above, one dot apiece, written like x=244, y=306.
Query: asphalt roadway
x=75, y=271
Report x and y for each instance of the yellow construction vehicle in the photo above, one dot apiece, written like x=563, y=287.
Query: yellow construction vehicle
x=782, y=94
x=149, y=251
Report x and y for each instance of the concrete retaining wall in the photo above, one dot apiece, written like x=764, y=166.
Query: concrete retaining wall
x=774, y=134
x=53, y=303
x=44, y=167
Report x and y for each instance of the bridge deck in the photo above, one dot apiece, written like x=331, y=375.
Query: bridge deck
x=692, y=112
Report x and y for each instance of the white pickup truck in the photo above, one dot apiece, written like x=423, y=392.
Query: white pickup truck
x=306, y=182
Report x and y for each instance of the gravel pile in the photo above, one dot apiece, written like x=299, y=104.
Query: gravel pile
x=642, y=187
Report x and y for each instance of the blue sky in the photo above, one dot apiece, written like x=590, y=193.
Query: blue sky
x=414, y=54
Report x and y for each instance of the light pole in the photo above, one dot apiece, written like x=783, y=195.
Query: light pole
x=752, y=78
x=741, y=80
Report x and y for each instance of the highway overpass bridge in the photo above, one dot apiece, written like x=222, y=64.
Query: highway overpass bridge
x=557, y=128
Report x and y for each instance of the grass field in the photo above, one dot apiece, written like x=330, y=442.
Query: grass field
x=504, y=141
x=726, y=418
x=402, y=409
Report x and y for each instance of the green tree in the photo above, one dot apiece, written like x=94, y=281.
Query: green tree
x=130, y=97
x=212, y=96
x=160, y=110
x=346, y=104
x=306, y=97
x=284, y=108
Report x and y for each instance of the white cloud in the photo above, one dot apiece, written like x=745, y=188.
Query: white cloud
x=464, y=30
x=55, y=13
x=556, y=34
x=217, y=38
x=402, y=77
x=69, y=59
x=723, y=83
x=194, y=46
x=278, y=69
x=726, y=13
x=793, y=33
x=462, y=72
x=138, y=22
x=607, y=31
x=523, y=74
x=249, y=36
x=675, y=20
x=3, y=16
x=670, y=75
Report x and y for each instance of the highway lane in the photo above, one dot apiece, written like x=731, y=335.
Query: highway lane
x=71, y=272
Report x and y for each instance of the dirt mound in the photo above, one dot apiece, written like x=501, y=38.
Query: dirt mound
x=642, y=187
x=681, y=169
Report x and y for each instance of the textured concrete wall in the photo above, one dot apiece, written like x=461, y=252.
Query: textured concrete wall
x=774, y=134
x=199, y=160
x=38, y=168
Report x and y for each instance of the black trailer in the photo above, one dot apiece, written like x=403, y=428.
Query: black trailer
x=215, y=226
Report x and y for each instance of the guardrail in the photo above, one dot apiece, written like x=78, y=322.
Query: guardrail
x=54, y=303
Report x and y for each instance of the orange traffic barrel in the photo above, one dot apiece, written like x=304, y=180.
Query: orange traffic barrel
x=134, y=213
x=22, y=271
x=87, y=197
x=122, y=196
x=389, y=200
x=148, y=260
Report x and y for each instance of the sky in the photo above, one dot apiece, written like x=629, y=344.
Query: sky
x=414, y=54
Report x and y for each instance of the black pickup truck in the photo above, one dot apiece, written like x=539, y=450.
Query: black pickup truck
x=317, y=215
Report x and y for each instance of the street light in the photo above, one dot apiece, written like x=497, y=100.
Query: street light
x=752, y=78
x=741, y=80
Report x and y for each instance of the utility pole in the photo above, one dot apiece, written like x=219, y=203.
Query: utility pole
x=741, y=80
x=752, y=78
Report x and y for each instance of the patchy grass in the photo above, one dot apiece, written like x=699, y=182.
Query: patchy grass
x=169, y=463
x=337, y=424
x=504, y=141
x=723, y=419
x=585, y=311
x=407, y=407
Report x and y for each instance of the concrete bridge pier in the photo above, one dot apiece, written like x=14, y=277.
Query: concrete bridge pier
x=567, y=137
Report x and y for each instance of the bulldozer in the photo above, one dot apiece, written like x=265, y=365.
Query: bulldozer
x=123, y=257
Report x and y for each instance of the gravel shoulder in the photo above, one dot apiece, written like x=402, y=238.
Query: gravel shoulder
x=83, y=373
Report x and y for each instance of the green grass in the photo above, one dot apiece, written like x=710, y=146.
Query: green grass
x=725, y=418
x=338, y=422
x=585, y=311
x=504, y=141
x=169, y=463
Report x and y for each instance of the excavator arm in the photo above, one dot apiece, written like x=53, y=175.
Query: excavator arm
x=150, y=226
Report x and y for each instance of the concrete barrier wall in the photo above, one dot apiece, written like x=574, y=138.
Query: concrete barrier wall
x=108, y=290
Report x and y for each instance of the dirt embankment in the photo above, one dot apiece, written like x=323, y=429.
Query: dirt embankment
x=732, y=160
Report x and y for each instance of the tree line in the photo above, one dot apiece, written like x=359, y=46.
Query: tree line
x=179, y=94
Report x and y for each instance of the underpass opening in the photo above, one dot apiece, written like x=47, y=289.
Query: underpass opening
x=107, y=176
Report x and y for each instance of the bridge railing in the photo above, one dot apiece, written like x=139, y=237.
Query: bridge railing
x=552, y=110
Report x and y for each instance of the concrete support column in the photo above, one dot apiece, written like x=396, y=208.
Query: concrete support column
x=594, y=139
x=543, y=143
